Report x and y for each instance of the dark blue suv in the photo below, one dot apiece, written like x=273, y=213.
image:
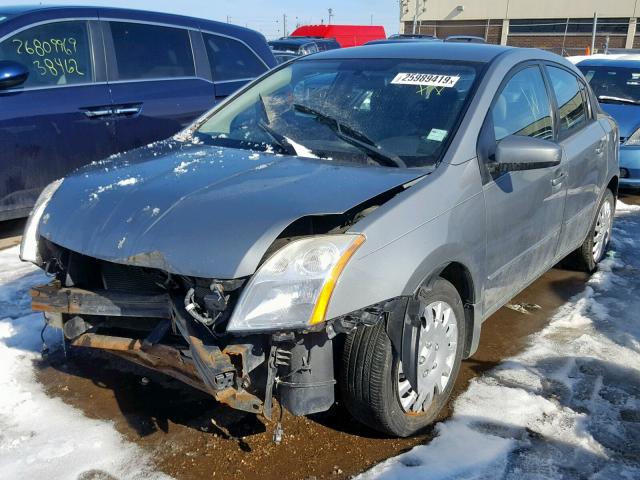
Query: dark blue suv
x=78, y=84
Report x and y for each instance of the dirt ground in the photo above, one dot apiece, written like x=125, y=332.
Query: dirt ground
x=192, y=437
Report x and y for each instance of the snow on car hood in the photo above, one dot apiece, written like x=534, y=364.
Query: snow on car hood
x=200, y=210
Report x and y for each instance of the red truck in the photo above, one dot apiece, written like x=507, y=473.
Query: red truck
x=345, y=35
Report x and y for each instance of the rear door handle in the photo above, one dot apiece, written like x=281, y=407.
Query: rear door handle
x=127, y=110
x=558, y=179
x=98, y=112
x=600, y=147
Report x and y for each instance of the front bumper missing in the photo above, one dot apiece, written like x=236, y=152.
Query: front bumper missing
x=219, y=372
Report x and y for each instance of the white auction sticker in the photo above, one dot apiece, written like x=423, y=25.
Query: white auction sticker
x=426, y=79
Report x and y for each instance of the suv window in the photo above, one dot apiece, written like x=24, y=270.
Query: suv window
x=572, y=108
x=56, y=53
x=231, y=59
x=523, y=107
x=150, y=51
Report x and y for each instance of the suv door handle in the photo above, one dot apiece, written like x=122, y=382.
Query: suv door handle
x=127, y=110
x=600, y=147
x=558, y=179
x=98, y=112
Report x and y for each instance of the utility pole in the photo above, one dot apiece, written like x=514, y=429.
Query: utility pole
x=593, y=33
x=330, y=15
x=284, y=24
x=371, y=19
x=415, y=16
x=228, y=19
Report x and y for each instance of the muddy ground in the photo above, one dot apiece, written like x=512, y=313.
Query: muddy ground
x=192, y=437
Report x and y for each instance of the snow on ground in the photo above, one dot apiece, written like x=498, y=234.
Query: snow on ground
x=567, y=407
x=40, y=436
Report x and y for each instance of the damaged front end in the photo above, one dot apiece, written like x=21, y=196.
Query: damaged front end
x=233, y=303
x=208, y=333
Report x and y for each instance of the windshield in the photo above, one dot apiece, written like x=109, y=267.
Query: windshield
x=614, y=84
x=386, y=112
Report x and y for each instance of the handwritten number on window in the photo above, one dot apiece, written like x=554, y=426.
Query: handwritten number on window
x=52, y=55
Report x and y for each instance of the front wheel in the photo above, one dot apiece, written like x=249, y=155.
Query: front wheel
x=594, y=248
x=374, y=387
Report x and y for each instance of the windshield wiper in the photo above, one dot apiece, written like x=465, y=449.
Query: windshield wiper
x=612, y=99
x=353, y=137
x=280, y=139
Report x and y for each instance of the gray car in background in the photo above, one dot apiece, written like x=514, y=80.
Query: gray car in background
x=350, y=218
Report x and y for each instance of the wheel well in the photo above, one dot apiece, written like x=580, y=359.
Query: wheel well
x=613, y=186
x=460, y=277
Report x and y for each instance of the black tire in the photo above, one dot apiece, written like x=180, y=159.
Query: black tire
x=370, y=368
x=583, y=258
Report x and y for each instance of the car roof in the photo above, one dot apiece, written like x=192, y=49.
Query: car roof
x=470, y=52
x=16, y=10
x=403, y=40
x=625, y=61
x=293, y=41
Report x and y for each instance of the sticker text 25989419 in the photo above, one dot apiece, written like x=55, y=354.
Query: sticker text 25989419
x=428, y=79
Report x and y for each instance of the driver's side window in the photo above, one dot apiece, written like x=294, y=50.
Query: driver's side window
x=523, y=108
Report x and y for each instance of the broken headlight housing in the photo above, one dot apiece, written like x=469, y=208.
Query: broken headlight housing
x=292, y=289
x=29, y=245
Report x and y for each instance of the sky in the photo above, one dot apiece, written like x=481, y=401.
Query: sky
x=261, y=15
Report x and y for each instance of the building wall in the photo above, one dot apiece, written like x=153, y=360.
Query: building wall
x=513, y=9
x=484, y=18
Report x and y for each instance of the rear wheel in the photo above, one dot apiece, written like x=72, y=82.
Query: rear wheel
x=594, y=248
x=374, y=386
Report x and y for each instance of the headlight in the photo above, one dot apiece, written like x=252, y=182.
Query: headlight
x=29, y=245
x=292, y=289
x=633, y=140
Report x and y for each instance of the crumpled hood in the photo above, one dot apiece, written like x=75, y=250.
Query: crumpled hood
x=199, y=210
x=626, y=116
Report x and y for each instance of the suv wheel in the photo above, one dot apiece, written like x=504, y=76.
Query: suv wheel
x=374, y=387
x=594, y=248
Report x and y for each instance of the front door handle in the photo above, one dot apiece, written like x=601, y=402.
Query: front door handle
x=127, y=110
x=557, y=181
x=98, y=112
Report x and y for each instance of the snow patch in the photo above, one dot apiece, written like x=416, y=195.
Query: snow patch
x=126, y=182
x=40, y=436
x=184, y=166
x=301, y=150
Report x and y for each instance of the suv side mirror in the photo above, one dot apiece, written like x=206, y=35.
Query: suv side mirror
x=517, y=152
x=12, y=74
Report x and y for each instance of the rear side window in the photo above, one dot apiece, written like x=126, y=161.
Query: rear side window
x=231, y=59
x=56, y=53
x=570, y=95
x=151, y=51
x=523, y=107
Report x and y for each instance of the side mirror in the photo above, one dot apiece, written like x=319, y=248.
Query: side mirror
x=12, y=74
x=517, y=152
